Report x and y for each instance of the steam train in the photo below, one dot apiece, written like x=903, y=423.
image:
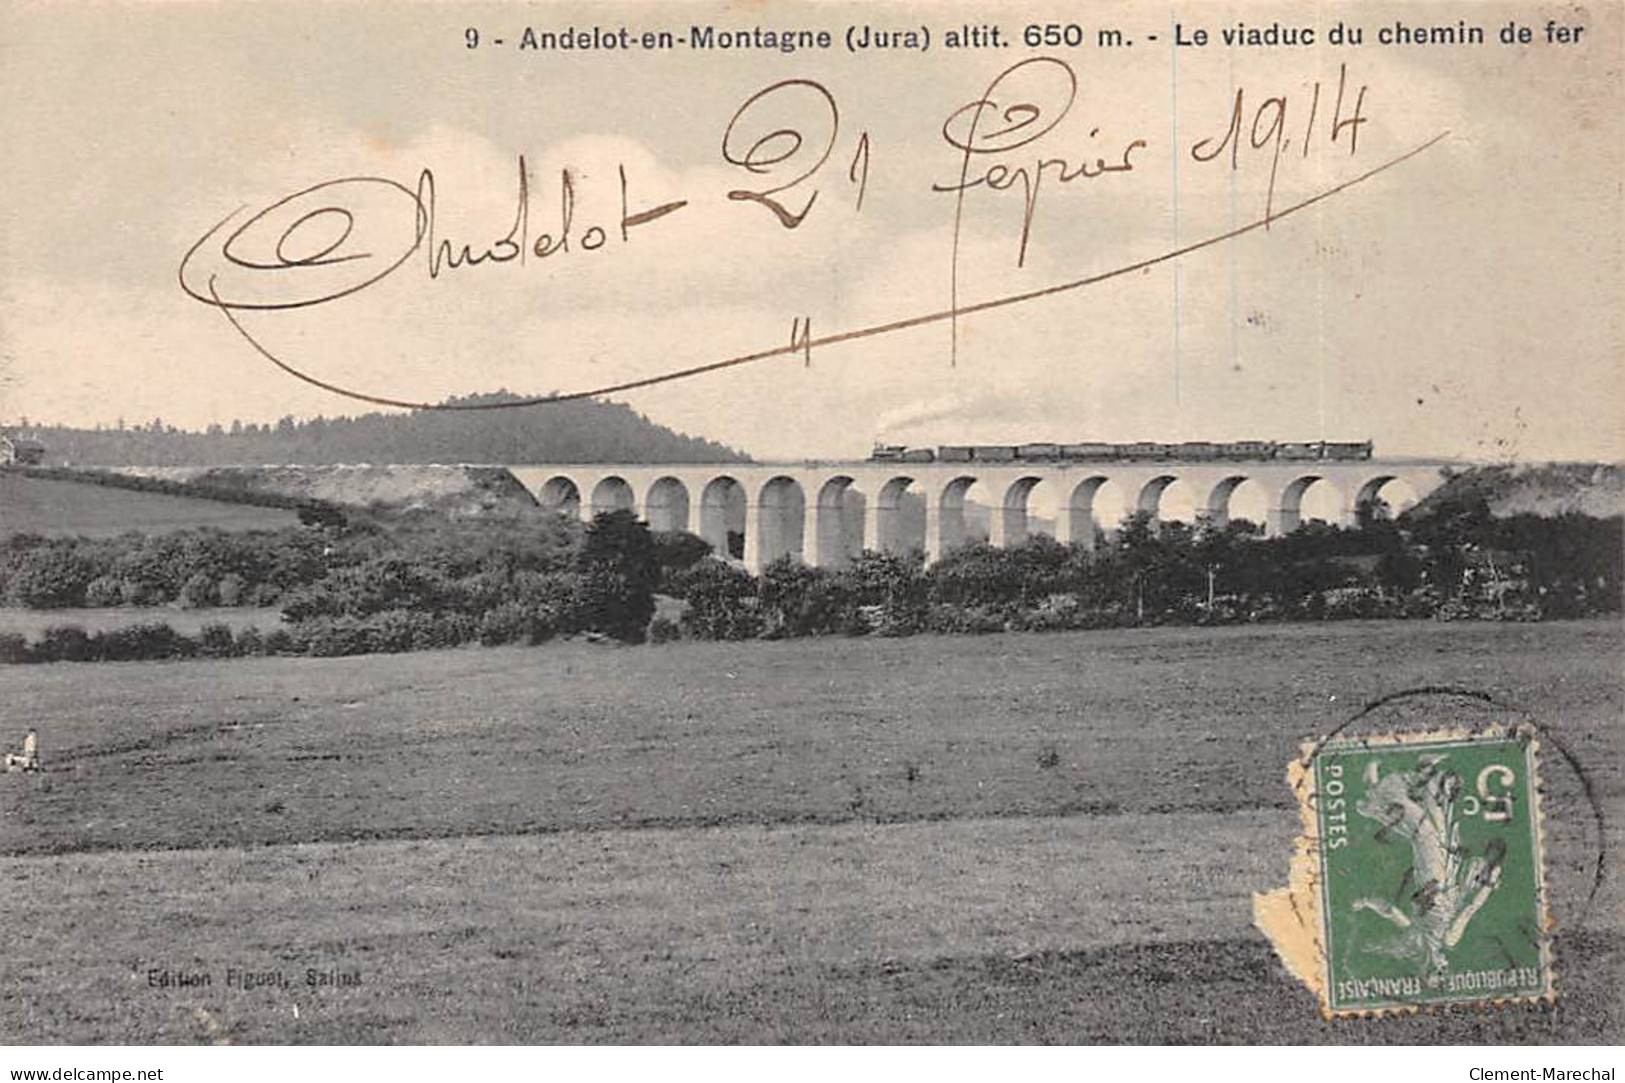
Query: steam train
x=1143, y=451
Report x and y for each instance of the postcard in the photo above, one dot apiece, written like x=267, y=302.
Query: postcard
x=812, y=523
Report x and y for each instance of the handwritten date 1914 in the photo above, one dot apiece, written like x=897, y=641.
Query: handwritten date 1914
x=1268, y=128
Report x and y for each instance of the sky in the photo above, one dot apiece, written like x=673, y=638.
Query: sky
x=1461, y=303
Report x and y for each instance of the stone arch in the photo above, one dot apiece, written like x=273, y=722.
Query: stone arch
x=1149, y=499
x=562, y=495
x=1047, y=509
x=1220, y=507
x=665, y=505
x=1216, y=509
x=1079, y=511
x=953, y=530
x=837, y=524
x=896, y=522
x=1287, y=515
x=1011, y=523
x=781, y=513
x=722, y=516
x=613, y=493
x=1401, y=494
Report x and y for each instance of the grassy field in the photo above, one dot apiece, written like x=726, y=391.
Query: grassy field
x=1011, y=838
x=68, y=509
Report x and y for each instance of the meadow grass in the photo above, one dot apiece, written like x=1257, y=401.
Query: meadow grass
x=61, y=509
x=1008, y=838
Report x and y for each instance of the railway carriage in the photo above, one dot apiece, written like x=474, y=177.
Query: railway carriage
x=1090, y=452
x=1248, y=450
x=1298, y=451
x=1350, y=451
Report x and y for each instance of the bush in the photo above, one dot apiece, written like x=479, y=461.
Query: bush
x=611, y=603
x=198, y=592
x=141, y=592
x=216, y=640
x=542, y=624
x=1056, y=613
x=664, y=630
x=250, y=642
x=232, y=589
x=1358, y=603
x=434, y=631
x=263, y=595
x=721, y=601
x=964, y=620
x=63, y=643
x=372, y=587
x=515, y=622
x=893, y=624
x=553, y=594
x=13, y=648
x=140, y=642
x=104, y=591
x=800, y=601
x=333, y=637
x=279, y=641
x=151, y=570
x=677, y=551
x=1226, y=609
x=982, y=574
x=620, y=572
x=483, y=591
x=393, y=630
x=53, y=576
x=500, y=625
x=896, y=584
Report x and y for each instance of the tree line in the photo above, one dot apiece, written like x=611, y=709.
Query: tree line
x=360, y=586
x=576, y=431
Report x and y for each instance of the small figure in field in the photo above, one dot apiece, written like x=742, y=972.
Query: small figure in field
x=28, y=759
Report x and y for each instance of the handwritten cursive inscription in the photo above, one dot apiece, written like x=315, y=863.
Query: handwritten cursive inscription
x=335, y=239
x=1020, y=106
x=1271, y=113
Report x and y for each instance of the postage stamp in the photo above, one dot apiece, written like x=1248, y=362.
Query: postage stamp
x=1419, y=880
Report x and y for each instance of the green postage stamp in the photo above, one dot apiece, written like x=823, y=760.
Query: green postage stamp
x=1419, y=879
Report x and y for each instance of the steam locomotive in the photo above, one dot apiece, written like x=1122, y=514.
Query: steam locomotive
x=1143, y=451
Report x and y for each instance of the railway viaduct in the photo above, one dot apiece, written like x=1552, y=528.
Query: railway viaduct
x=822, y=513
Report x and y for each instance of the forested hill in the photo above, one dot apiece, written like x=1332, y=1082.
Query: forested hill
x=577, y=431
